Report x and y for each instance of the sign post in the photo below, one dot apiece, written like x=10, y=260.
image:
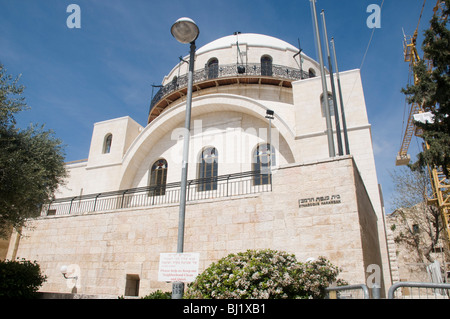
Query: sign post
x=177, y=290
x=178, y=268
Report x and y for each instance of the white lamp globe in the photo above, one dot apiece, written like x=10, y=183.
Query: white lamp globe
x=185, y=30
x=63, y=269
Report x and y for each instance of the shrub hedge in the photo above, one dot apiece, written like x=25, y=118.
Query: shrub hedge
x=20, y=279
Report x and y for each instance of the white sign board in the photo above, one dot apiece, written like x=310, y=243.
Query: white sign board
x=175, y=267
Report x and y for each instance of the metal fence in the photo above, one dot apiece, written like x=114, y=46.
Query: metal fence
x=399, y=290
x=252, y=182
x=419, y=290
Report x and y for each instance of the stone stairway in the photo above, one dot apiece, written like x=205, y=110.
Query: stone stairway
x=392, y=248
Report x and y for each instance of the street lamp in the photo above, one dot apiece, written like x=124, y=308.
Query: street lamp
x=64, y=273
x=185, y=31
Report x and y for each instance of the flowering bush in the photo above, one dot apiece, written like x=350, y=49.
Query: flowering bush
x=263, y=274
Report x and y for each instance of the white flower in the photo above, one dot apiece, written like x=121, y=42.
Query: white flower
x=256, y=276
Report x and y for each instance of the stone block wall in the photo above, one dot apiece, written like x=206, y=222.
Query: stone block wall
x=104, y=247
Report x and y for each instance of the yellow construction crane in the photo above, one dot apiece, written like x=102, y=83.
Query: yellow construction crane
x=411, y=56
x=439, y=182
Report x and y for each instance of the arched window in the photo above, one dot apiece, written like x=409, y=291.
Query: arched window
x=263, y=159
x=312, y=73
x=208, y=169
x=330, y=104
x=213, y=68
x=107, y=144
x=266, y=65
x=158, y=178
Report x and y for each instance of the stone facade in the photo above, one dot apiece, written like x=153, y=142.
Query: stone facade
x=108, y=246
x=412, y=266
x=111, y=249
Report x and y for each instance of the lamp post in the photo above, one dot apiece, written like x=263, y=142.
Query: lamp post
x=185, y=31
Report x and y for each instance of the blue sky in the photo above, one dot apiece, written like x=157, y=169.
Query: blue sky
x=105, y=69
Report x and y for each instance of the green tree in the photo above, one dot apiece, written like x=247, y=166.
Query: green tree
x=20, y=279
x=31, y=160
x=433, y=92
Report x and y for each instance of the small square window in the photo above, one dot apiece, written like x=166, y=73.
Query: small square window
x=132, y=285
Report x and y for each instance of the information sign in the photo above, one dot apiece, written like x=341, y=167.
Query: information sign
x=174, y=267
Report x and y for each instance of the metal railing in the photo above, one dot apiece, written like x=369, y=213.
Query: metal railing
x=419, y=290
x=399, y=290
x=231, y=70
x=198, y=189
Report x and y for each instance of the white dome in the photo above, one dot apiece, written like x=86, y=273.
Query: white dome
x=251, y=39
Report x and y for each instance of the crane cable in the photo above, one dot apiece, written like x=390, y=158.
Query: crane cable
x=420, y=17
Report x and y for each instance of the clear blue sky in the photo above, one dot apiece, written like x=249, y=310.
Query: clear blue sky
x=104, y=70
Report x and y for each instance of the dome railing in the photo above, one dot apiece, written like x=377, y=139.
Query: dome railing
x=230, y=71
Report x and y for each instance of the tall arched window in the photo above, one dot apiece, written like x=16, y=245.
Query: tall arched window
x=330, y=104
x=312, y=73
x=107, y=144
x=213, y=68
x=263, y=159
x=158, y=178
x=266, y=65
x=208, y=169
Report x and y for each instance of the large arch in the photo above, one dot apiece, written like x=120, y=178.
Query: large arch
x=170, y=119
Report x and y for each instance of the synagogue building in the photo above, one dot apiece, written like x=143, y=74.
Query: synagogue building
x=260, y=176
